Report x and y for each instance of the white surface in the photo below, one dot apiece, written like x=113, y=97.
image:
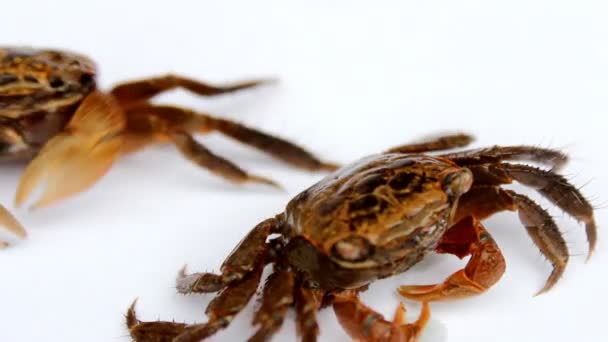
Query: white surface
x=355, y=80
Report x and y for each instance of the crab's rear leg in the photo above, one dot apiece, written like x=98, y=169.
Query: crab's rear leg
x=142, y=90
x=76, y=158
x=445, y=142
x=554, y=187
x=364, y=324
x=148, y=123
x=492, y=155
x=484, y=268
x=202, y=156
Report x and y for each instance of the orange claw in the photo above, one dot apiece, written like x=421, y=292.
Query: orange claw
x=8, y=221
x=75, y=159
x=457, y=286
x=364, y=324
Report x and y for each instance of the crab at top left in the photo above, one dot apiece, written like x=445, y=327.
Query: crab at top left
x=53, y=116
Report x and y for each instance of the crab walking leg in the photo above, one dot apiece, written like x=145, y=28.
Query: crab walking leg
x=484, y=268
x=276, y=147
x=246, y=257
x=151, y=331
x=277, y=297
x=496, y=154
x=144, y=89
x=202, y=156
x=560, y=192
x=308, y=302
x=364, y=324
x=221, y=311
x=151, y=119
x=76, y=158
x=551, y=185
x=224, y=307
x=484, y=201
x=437, y=144
x=8, y=221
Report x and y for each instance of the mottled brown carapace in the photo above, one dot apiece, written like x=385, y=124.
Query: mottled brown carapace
x=376, y=218
x=52, y=114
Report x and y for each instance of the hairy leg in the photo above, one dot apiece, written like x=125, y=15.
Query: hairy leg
x=549, y=184
x=308, y=302
x=237, y=283
x=249, y=254
x=203, y=157
x=277, y=297
x=496, y=154
x=149, y=121
x=142, y=90
x=437, y=144
x=221, y=311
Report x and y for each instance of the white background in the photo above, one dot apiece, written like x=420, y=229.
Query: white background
x=355, y=79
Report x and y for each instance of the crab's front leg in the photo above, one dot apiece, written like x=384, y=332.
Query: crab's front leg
x=76, y=158
x=250, y=252
x=484, y=269
x=364, y=324
x=237, y=283
x=221, y=310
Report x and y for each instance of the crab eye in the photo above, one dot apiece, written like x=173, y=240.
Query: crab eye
x=55, y=82
x=458, y=182
x=353, y=248
x=4, y=146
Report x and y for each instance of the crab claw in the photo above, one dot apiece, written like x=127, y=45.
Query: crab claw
x=76, y=158
x=8, y=221
x=364, y=324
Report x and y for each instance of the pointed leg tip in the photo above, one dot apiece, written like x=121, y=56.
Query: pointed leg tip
x=425, y=315
x=8, y=221
x=270, y=81
x=590, y=252
x=265, y=181
x=330, y=167
x=131, y=316
x=591, y=231
x=182, y=273
x=548, y=286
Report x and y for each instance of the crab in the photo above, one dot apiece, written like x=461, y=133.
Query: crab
x=374, y=219
x=53, y=115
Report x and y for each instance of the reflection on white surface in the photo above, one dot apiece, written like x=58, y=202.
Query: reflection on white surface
x=435, y=332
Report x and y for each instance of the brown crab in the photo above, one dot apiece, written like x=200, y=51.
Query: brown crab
x=374, y=219
x=52, y=113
